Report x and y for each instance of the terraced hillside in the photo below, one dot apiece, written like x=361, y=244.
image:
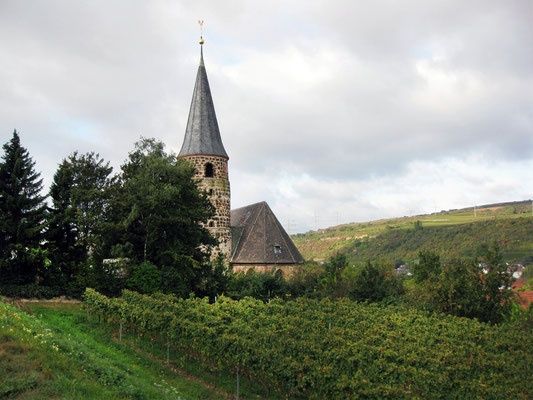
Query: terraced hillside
x=453, y=233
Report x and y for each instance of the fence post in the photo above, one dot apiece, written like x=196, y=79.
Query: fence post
x=168, y=351
x=120, y=332
x=238, y=384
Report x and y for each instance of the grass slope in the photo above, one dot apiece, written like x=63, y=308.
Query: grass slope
x=455, y=233
x=57, y=354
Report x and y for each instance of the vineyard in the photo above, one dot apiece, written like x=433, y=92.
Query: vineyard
x=333, y=349
x=452, y=234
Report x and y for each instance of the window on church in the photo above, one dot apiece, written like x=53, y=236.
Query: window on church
x=209, y=170
x=210, y=191
x=277, y=249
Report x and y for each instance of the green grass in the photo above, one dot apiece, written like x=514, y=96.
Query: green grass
x=321, y=244
x=57, y=353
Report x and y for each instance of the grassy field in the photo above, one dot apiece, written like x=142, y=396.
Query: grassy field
x=53, y=351
x=321, y=244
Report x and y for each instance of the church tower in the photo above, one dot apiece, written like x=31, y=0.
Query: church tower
x=203, y=148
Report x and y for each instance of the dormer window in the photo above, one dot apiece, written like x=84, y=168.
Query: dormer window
x=277, y=249
x=209, y=170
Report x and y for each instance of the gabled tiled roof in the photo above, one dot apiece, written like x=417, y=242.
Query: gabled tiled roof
x=202, y=135
x=258, y=237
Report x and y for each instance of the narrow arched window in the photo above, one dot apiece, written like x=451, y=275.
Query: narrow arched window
x=209, y=171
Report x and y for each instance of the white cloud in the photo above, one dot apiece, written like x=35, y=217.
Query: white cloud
x=330, y=110
x=423, y=187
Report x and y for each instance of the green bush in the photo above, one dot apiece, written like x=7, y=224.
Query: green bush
x=263, y=286
x=305, y=281
x=145, y=278
x=373, y=283
x=426, y=267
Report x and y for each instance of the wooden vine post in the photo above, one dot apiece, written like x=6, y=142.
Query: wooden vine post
x=238, y=384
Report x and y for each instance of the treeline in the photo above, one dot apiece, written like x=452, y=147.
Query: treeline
x=138, y=228
x=141, y=229
x=334, y=349
x=479, y=287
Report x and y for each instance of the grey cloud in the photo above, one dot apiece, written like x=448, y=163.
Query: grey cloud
x=341, y=91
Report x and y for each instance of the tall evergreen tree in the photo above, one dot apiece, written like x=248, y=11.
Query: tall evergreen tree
x=22, y=214
x=79, y=197
x=61, y=234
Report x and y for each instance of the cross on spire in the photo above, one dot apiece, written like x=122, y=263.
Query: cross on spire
x=201, y=23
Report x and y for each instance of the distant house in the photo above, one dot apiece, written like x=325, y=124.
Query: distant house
x=516, y=270
x=250, y=237
x=403, y=270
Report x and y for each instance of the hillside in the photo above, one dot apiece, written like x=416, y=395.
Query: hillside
x=53, y=351
x=453, y=233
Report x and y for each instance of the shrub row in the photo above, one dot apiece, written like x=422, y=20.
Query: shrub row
x=336, y=349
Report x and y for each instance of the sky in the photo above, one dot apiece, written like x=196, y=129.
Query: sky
x=331, y=111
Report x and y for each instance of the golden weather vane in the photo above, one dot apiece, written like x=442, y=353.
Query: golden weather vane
x=201, y=23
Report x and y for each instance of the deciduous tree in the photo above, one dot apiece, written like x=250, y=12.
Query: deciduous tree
x=156, y=213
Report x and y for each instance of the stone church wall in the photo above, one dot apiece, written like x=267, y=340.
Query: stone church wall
x=286, y=269
x=218, y=190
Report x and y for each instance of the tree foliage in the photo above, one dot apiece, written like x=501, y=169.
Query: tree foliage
x=22, y=216
x=156, y=208
x=427, y=267
x=80, y=196
x=155, y=215
x=260, y=285
x=145, y=278
x=476, y=288
x=373, y=283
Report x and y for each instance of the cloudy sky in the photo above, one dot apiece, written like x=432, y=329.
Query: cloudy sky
x=331, y=111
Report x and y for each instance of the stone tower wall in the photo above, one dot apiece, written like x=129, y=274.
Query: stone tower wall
x=218, y=190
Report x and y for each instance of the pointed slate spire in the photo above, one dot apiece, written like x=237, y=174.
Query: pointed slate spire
x=202, y=135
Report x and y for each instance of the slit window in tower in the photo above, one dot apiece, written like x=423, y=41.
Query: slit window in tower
x=209, y=172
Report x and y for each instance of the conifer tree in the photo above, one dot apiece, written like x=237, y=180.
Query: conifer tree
x=61, y=234
x=79, y=196
x=22, y=214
